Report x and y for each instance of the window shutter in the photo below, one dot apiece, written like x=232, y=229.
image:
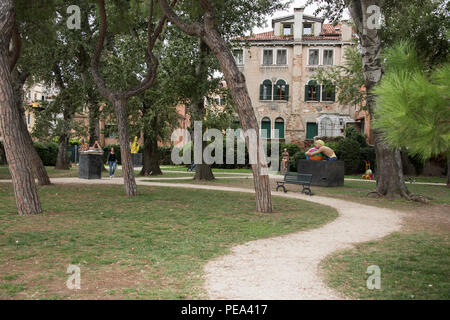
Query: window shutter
x=306, y=92
x=312, y=28
x=333, y=94
x=261, y=90
x=281, y=29
x=317, y=97
x=286, y=97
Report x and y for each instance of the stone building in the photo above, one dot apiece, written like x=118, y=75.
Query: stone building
x=279, y=68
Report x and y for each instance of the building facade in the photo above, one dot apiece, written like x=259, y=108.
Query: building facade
x=279, y=67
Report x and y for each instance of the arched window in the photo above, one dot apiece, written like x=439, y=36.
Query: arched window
x=328, y=92
x=279, y=128
x=312, y=91
x=265, y=128
x=326, y=128
x=281, y=90
x=265, y=90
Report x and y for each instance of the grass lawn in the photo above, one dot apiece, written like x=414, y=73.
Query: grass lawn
x=418, y=179
x=414, y=262
x=53, y=173
x=183, y=168
x=412, y=265
x=151, y=247
x=352, y=190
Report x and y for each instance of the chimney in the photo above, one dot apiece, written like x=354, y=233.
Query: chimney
x=298, y=23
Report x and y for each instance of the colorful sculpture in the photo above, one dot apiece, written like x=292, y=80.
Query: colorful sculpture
x=316, y=157
x=368, y=175
x=135, y=146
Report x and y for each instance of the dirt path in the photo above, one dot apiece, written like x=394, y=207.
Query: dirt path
x=285, y=267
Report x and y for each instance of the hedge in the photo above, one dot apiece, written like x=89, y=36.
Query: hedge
x=2, y=155
x=48, y=151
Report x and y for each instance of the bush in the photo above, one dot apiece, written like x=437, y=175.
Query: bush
x=47, y=151
x=2, y=155
x=300, y=155
x=165, y=153
x=417, y=162
x=348, y=151
x=353, y=134
x=368, y=154
x=291, y=148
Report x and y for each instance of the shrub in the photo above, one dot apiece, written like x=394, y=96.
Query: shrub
x=368, y=154
x=353, y=134
x=417, y=162
x=2, y=154
x=47, y=151
x=291, y=148
x=164, y=154
x=299, y=155
x=348, y=151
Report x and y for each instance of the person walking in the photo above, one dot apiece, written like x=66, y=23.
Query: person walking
x=112, y=162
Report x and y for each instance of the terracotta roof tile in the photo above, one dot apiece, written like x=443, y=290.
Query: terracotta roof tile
x=329, y=32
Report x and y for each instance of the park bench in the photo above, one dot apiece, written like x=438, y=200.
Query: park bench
x=303, y=179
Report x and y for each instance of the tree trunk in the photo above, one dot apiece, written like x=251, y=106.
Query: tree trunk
x=238, y=90
x=125, y=150
x=390, y=182
x=36, y=162
x=94, y=125
x=203, y=171
x=62, y=161
x=150, y=158
x=16, y=144
x=448, y=169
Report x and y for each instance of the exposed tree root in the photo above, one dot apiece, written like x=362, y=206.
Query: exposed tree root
x=374, y=194
x=407, y=196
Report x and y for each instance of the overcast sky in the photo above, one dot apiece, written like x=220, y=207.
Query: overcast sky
x=296, y=3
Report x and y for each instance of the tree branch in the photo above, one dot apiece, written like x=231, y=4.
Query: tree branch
x=189, y=28
x=208, y=14
x=17, y=46
x=151, y=60
x=97, y=53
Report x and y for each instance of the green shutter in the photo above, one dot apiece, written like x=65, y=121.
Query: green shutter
x=311, y=130
x=306, y=92
x=286, y=97
x=265, y=129
x=333, y=94
x=261, y=90
x=317, y=97
x=281, y=29
x=280, y=127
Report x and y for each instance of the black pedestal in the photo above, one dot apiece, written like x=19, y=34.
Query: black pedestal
x=137, y=159
x=324, y=173
x=90, y=165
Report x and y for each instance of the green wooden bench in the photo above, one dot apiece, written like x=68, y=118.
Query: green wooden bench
x=302, y=179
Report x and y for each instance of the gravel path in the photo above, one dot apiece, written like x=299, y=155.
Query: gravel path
x=285, y=267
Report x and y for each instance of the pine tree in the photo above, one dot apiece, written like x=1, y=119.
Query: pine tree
x=413, y=104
